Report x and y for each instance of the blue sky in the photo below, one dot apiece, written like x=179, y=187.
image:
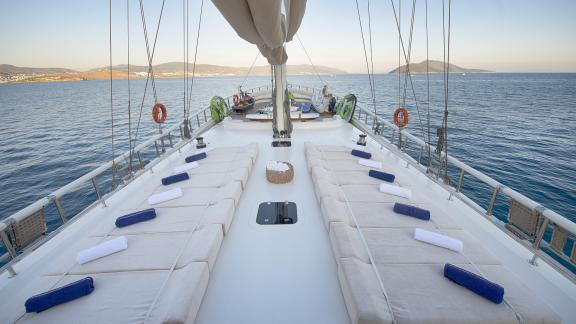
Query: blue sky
x=500, y=35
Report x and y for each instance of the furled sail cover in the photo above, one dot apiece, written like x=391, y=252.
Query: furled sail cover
x=261, y=22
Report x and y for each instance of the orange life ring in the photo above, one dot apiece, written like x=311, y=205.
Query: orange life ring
x=236, y=100
x=401, y=123
x=159, y=109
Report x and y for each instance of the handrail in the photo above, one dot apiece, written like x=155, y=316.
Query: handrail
x=202, y=125
x=361, y=122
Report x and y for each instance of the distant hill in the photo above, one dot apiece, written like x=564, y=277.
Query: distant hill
x=435, y=67
x=11, y=69
x=208, y=69
x=11, y=73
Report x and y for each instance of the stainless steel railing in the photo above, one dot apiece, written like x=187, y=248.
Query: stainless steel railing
x=199, y=122
x=376, y=126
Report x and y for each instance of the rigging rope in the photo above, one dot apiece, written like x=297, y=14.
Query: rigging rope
x=128, y=78
x=371, y=55
x=366, y=56
x=410, y=38
x=250, y=69
x=195, y=57
x=111, y=95
x=150, y=74
x=446, y=74
x=409, y=74
x=310, y=60
x=428, y=89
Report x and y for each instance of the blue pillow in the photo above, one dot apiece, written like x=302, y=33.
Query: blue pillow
x=479, y=285
x=60, y=295
x=382, y=175
x=196, y=157
x=362, y=154
x=175, y=178
x=136, y=217
x=412, y=211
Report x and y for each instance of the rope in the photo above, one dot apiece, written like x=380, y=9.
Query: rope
x=111, y=95
x=184, y=61
x=150, y=74
x=310, y=60
x=410, y=38
x=409, y=74
x=428, y=90
x=195, y=57
x=446, y=74
x=366, y=56
x=371, y=58
x=128, y=78
x=250, y=69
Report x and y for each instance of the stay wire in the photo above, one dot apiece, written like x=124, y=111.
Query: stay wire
x=150, y=74
x=428, y=87
x=371, y=55
x=409, y=74
x=195, y=57
x=410, y=41
x=111, y=88
x=366, y=55
x=250, y=69
x=310, y=60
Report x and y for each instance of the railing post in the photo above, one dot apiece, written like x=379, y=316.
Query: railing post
x=96, y=188
x=205, y=119
x=460, y=180
x=198, y=120
x=156, y=146
x=56, y=201
x=538, y=240
x=8, y=244
x=490, y=208
x=140, y=160
x=170, y=139
x=420, y=153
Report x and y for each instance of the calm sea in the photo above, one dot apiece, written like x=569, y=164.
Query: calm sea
x=518, y=128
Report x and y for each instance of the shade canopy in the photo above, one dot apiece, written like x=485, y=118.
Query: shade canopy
x=261, y=22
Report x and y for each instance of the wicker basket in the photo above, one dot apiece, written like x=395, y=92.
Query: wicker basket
x=280, y=177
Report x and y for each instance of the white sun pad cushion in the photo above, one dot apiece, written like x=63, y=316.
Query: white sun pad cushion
x=383, y=215
x=397, y=246
x=125, y=297
x=145, y=252
x=431, y=298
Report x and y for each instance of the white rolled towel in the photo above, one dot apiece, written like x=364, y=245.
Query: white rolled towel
x=101, y=250
x=187, y=166
x=396, y=190
x=370, y=163
x=440, y=240
x=165, y=196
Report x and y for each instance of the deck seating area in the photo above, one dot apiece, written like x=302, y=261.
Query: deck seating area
x=164, y=272
x=411, y=271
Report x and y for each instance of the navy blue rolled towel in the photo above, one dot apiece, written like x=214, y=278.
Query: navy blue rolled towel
x=412, y=211
x=382, y=175
x=196, y=157
x=175, y=178
x=60, y=295
x=481, y=286
x=362, y=154
x=136, y=217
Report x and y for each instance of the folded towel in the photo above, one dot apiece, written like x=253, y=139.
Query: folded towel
x=165, y=196
x=196, y=157
x=396, y=190
x=412, y=211
x=481, y=286
x=57, y=296
x=136, y=217
x=382, y=175
x=440, y=240
x=101, y=250
x=277, y=166
x=185, y=167
x=370, y=163
x=175, y=178
x=362, y=154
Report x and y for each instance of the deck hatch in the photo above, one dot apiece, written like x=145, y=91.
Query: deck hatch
x=277, y=213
